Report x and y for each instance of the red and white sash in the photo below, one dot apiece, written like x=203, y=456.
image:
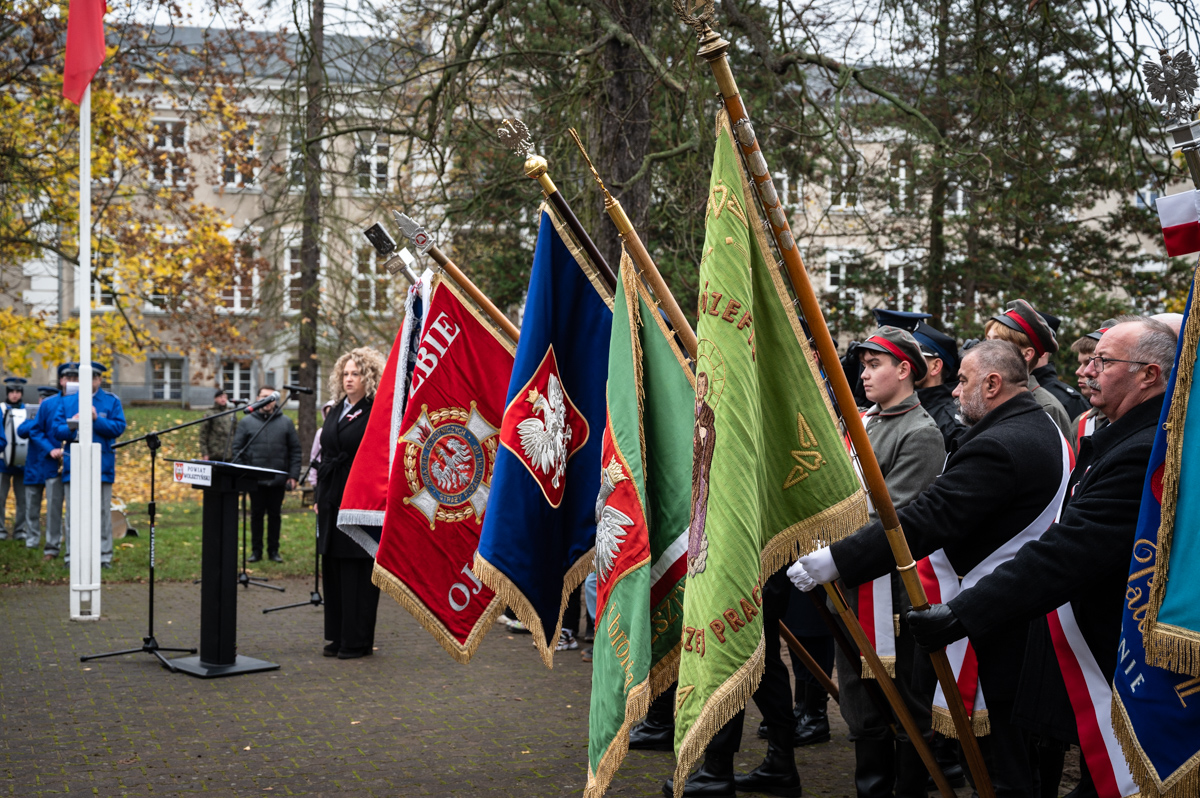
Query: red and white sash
x=942, y=585
x=1091, y=699
x=1087, y=425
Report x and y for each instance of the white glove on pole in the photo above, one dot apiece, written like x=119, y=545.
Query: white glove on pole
x=813, y=569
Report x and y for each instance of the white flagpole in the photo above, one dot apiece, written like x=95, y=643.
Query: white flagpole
x=85, y=461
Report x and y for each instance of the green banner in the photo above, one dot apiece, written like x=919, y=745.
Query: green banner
x=641, y=525
x=771, y=478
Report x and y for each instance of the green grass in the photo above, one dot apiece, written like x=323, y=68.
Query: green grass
x=178, y=543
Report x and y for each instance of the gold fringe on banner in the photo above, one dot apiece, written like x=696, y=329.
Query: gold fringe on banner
x=889, y=665
x=804, y=537
x=399, y=591
x=1172, y=647
x=637, y=704
x=725, y=702
x=1183, y=783
x=943, y=723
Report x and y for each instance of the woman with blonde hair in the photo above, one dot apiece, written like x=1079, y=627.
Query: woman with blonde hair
x=351, y=599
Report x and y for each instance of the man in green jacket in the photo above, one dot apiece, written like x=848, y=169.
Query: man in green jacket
x=217, y=433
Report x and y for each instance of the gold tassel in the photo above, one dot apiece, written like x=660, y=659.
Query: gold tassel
x=889, y=665
x=462, y=654
x=637, y=704
x=1183, y=783
x=943, y=723
x=804, y=537
x=725, y=702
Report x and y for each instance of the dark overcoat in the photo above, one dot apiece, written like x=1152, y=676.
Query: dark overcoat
x=1004, y=471
x=340, y=439
x=1083, y=559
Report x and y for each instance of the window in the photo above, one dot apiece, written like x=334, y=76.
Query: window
x=842, y=268
x=903, y=174
x=372, y=162
x=903, y=289
x=295, y=266
x=167, y=378
x=294, y=376
x=104, y=275
x=843, y=189
x=168, y=145
x=958, y=198
x=791, y=190
x=239, y=160
x=238, y=294
x=1147, y=196
x=371, y=282
x=235, y=379
x=296, y=157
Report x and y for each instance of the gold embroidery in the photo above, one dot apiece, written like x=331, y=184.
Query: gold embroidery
x=808, y=459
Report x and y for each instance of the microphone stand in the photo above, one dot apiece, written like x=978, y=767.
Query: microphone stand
x=244, y=577
x=149, y=642
x=314, y=598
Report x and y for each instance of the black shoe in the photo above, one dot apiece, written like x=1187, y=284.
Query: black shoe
x=812, y=726
x=874, y=768
x=353, y=653
x=650, y=736
x=255, y=557
x=274, y=557
x=777, y=775
x=714, y=779
x=330, y=650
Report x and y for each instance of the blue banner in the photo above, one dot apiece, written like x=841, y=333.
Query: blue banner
x=540, y=527
x=1156, y=711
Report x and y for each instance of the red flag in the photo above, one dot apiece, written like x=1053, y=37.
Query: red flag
x=85, y=46
x=442, y=474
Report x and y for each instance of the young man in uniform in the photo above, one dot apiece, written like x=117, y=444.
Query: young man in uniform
x=216, y=434
x=108, y=423
x=13, y=475
x=42, y=463
x=1024, y=327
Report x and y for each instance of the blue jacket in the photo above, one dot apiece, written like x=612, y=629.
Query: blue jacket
x=5, y=467
x=39, y=466
x=106, y=428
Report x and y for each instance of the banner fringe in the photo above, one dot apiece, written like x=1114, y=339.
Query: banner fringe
x=1183, y=783
x=637, y=704
x=511, y=595
x=725, y=702
x=462, y=653
x=1164, y=647
x=665, y=672
x=804, y=537
x=943, y=723
x=889, y=665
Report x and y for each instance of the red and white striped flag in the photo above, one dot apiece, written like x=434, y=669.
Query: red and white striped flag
x=1180, y=218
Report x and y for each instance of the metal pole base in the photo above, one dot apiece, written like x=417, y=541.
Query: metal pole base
x=194, y=666
x=314, y=600
x=149, y=646
x=245, y=581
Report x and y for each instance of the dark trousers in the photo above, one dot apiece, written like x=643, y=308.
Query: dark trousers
x=1009, y=755
x=351, y=602
x=265, y=501
x=804, y=621
x=774, y=694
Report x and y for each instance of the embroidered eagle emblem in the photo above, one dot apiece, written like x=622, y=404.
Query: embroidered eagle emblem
x=612, y=525
x=546, y=441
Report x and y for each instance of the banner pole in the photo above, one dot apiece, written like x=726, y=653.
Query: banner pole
x=714, y=49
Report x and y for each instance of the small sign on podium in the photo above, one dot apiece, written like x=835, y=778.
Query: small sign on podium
x=193, y=473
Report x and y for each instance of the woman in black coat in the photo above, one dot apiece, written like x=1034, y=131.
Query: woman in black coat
x=351, y=599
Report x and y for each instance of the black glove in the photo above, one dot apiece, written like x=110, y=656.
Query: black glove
x=935, y=628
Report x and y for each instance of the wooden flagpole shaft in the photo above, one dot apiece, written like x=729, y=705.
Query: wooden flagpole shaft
x=472, y=290
x=816, y=670
x=641, y=256
x=536, y=169
x=889, y=689
x=713, y=49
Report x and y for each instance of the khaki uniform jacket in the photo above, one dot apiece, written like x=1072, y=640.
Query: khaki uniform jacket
x=1053, y=407
x=216, y=434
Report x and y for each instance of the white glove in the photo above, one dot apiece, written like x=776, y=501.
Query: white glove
x=813, y=569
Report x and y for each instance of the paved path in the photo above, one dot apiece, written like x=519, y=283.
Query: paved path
x=406, y=721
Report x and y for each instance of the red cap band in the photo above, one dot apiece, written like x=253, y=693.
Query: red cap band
x=1033, y=338
x=891, y=347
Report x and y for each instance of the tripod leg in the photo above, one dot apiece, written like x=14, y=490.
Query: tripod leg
x=112, y=654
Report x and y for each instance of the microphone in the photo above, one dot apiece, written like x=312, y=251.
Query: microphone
x=297, y=389
x=266, y=400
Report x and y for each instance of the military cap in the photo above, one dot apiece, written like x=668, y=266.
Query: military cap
x=1054, y=321
x=97, y=368
x=218, y=392
x=1021, y=316
x=15, y=383
x=901, y=345
x=68, y=368
x=935, y=343
x=1104, y=325
x=905, y=320
x=46, y=391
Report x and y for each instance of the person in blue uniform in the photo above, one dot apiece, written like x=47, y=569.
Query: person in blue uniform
x=108, y=423
x=43, y=462
x=12, y=475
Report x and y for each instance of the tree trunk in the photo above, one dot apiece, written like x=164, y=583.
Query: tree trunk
x=935, y=278
x=310, y=245
x=623, y=123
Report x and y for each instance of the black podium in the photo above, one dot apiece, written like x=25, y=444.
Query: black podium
x=221, y=483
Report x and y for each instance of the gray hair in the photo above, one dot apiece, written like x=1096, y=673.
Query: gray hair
x=1000, y=357
x=1155, y=345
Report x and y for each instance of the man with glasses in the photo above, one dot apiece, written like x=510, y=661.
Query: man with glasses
x=1080, y=564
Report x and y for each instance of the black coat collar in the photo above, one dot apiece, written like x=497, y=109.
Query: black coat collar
x=1019, y=405
x=356, y=411
x=1136, y=420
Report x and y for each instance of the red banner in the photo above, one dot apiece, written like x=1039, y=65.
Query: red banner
x=442, y=473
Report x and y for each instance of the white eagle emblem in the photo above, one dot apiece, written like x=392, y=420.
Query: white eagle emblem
x=611, y=524
x=545, y=443
x=457, y=467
